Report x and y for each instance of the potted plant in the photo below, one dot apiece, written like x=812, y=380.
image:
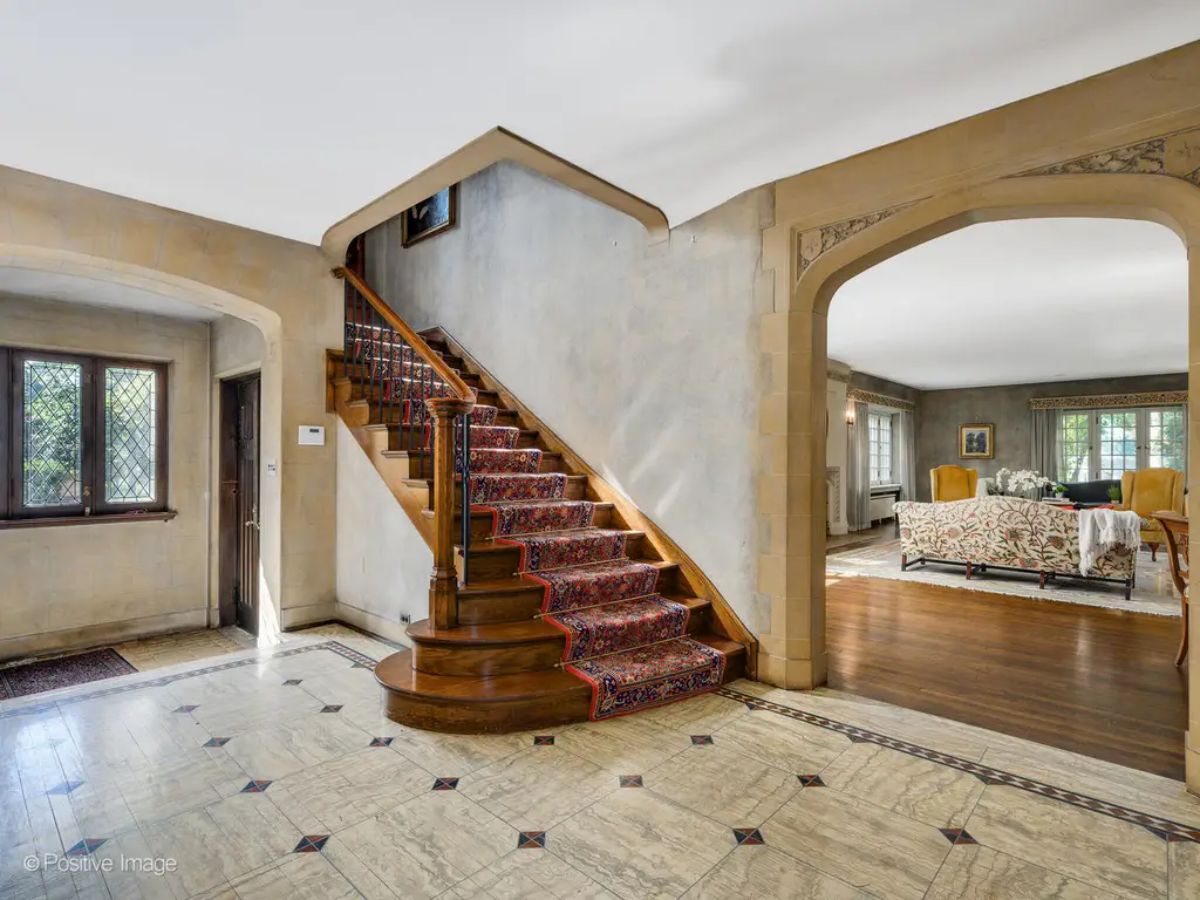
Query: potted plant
x=1060, y=491
x=1114, y=494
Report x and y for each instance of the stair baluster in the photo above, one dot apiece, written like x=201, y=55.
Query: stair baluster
x=406, y=382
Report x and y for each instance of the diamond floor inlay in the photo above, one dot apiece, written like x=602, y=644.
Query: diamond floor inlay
x=256, y=790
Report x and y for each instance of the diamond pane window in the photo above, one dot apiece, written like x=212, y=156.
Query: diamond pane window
x=52, y=433
x=130, y=425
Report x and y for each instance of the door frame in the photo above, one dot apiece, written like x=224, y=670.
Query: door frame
x=228, y=521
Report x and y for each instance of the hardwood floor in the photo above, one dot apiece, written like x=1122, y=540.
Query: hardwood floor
x=1095, y=681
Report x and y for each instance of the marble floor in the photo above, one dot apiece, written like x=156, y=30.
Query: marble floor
x=271, y=772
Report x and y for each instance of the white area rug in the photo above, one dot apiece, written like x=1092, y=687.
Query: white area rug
x=1152, y=594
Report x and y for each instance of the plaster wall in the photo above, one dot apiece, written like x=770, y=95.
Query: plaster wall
x=383, y=563
x=283, y=287
x=1007, y=407
x=66, y=586
x=639, y=355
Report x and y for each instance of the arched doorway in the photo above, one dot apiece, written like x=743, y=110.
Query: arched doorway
x=820, y=261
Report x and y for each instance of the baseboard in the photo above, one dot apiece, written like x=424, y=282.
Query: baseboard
x=299, y=616
x=371, y=623
x=104, y=633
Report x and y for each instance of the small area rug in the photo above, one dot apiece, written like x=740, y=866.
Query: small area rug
x=64, y=671
x=1152, y=594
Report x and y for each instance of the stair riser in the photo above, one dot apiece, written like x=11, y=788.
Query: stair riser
x=392, y=417
x=401, y=437
x=373, y=393
x=355, y=371
x=453, y=714
x=504, y=561
x=481, y=525
x=515, y=606
x=506, y=659
x=575, y=491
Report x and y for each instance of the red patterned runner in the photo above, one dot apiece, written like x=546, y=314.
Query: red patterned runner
x=614, y=627
x=650, y=676
x=607, y=582
x=533, y=516
x=489, y=459
x=493, y=488
x=575, y=548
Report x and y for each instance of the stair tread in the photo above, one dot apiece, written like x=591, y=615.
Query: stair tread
x=516, y=584
x=523, y=631
x=600, y=506
x=397, y=674
x=490, y=545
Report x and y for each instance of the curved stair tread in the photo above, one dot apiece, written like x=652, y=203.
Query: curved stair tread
x=397, y=674
x=520, y=632
x=504, y=703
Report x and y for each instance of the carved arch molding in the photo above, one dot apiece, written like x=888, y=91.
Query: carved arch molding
x=1173, y=155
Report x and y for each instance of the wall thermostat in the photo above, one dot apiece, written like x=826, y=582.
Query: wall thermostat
x=312, y=435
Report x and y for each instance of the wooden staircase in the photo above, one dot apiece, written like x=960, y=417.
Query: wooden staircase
x=492, y=665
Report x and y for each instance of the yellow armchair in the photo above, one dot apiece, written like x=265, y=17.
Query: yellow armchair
x=1148, y=491
x=952, y=483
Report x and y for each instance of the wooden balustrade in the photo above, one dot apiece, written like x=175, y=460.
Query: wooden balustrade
x=409, y=385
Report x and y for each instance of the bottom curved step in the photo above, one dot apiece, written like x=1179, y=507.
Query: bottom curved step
x=500, y=703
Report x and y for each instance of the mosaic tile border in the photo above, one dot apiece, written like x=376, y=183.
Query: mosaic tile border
x=356, y=658
x=1167, y=829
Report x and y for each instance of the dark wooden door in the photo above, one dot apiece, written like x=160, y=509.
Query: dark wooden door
x=245, y=586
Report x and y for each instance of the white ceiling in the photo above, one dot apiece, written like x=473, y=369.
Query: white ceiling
x=1017, y=302
x=287, y=115
x=46, y=285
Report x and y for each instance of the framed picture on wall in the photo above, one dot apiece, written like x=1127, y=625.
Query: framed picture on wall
x=976, y=441
x=431, y=216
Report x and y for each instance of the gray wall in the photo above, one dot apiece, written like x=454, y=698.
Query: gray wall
x=939, y=414
x=873, y=383
x=643, y=358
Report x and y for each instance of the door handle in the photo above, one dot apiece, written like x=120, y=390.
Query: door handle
x=253, y=521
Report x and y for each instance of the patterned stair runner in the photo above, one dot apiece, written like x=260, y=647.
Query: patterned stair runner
x=623, y=639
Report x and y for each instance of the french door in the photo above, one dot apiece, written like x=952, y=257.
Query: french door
x=1103, y=444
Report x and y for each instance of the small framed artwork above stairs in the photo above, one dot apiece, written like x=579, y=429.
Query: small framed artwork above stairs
x=575, y=605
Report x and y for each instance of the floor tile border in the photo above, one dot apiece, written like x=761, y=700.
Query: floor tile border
x=358, y=659
x=1167, y=829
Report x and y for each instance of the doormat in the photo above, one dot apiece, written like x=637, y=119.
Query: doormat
x=64, y=671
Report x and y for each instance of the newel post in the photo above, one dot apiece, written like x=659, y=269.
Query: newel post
x=443, y=581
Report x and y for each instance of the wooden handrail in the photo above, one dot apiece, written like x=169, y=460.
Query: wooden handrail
x=414, y=340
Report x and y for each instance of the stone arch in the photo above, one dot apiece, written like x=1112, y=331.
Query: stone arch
x=166, y=284
x=820, y=260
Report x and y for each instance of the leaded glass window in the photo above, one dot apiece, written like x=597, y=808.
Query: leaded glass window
x=81, y=435
x=129, y=434
x=52, y=433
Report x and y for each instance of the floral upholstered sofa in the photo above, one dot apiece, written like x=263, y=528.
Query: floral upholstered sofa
x=1004, y=533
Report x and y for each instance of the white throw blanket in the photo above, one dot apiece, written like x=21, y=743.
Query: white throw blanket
x=1102, y=529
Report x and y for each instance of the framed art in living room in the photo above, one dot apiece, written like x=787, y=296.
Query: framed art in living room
x=976, y=441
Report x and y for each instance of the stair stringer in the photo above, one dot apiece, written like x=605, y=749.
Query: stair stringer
x=374, y=442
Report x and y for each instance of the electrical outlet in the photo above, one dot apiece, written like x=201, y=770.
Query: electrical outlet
x=405, y=618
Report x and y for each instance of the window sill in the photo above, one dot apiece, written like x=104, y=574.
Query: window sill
x=98, y=519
